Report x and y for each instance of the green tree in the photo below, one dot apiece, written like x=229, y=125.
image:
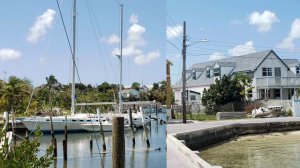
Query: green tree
x=104, y=87
x=15, y=94
x=224, y=91
x=136, y=86
x=244, y=81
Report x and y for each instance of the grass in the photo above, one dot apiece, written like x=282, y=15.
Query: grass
x=199, y=117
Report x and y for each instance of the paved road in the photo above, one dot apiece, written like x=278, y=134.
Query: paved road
x=176, y=158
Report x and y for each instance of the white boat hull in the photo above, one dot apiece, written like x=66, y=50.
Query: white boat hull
x=73, y=123
x=106, y=127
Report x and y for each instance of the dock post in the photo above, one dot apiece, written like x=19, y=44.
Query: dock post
x=54, y=147
x=145, y=128
x=65, y=151
x=131, y=127
x=66, y=129
x=101, y=130
x=91, y=142
x=26, y=135
x=118, y=143
x=65, y=141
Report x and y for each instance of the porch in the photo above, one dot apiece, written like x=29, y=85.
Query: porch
x=277, y=93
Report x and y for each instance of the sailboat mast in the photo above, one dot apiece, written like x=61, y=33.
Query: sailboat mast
x=121, y=53
x=73, y=60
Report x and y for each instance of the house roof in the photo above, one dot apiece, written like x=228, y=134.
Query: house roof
x=243, y=63
x=226, y=64
x=291, y=62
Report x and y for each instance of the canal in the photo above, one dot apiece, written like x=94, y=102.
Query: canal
x=80, y=155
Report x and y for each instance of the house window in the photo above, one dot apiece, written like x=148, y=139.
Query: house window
x=277, y=72
x=266, y=71
x=194, y=75
x=193, y=97
x=217, y=72
x=277, y=93
x=297, y=70
x=250, y=93
x=208, y=73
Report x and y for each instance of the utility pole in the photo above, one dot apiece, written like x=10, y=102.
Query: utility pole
x=184, y=74
x=168, y=90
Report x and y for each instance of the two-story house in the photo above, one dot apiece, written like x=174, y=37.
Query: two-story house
x=273, y=77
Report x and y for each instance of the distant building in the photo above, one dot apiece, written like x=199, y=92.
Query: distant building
x=130, y=92
x=273, y=77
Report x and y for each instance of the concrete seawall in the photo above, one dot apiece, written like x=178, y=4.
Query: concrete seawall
x=189, y=138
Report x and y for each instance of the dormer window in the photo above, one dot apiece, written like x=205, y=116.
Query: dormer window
x=217, y=72
x=208, y=73
x=194, y=75
x=298, y=70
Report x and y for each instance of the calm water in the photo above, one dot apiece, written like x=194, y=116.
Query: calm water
x=79, y=154
x=276, y=150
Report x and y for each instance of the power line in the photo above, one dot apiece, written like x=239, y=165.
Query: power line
x=232, y=44
x=173, y=45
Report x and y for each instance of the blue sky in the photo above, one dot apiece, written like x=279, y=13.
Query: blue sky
x=232, y=28
x=35, y=48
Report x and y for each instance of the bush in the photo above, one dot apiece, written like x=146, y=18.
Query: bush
x=289, y=113
x=24, y=154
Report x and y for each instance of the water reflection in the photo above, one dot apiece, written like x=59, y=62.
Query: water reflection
x=80, y=154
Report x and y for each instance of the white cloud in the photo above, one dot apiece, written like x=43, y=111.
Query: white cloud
x=41, y=25
x=174, y=32
x=243, y=49
x=216, y=56
x=135, y=35
x=134, y=18
x=145, y=59
x=7, y=54
x=135, y=42
x=263, y=21
x=113, y=39
x=288, y=42
x=238, y=50
x=127, y=51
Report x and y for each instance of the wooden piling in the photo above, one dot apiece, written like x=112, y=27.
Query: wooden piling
x=51, y=125
x=66, y=129
x=27, y=135
x=145, y=128
x=118, y=143
x=54, y=147
x=65, y=150
x=101, y=130
x=131, y=127
x=91, y=142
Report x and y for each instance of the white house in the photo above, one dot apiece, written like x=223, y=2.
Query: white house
x=273, y=77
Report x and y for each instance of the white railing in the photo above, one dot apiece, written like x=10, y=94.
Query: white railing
x=278, y=82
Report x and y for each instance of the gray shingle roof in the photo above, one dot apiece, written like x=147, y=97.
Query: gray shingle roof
x=291, y=62
x=226, y=64
x=242, y=63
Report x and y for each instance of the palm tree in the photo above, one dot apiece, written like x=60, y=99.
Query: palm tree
x=14, y=94
x=52, y=84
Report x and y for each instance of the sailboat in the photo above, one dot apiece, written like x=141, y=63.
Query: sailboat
x=73, y=121
x=81, y=121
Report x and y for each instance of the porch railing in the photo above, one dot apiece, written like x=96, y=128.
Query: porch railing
x=278, y=82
